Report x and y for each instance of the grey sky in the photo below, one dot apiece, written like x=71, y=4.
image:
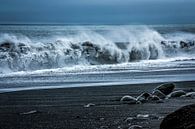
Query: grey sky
x=98, y=11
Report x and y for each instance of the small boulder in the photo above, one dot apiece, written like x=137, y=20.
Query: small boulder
x=183, y=118
x=190, y=94
x=89, y=105
x=166, y=88
x=154, y=98
x=143, y=97
x=136, y=127
x=159, y=94
x=28, y=113
x=143, y=116
x=129, y=119
x=177, y=93
x=128, y=99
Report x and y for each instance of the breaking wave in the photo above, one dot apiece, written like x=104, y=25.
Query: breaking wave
x=121, y=45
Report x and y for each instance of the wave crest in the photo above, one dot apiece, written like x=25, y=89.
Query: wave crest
x=20, y=53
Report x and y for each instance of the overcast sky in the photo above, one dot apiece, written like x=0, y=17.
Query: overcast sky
x=98, y=11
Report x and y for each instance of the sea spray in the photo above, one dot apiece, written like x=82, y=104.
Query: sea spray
x=19, y=52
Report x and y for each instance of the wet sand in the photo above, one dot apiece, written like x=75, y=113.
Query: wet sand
x=64, y=108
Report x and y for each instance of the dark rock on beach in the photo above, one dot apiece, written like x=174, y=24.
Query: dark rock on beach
x=143, y=97
x=178, y=93
x=154, y=98
x=166, y=88
x=159, y=94
x=190, y=94
x=183, y=118
x=128, y=99
x=88, y=108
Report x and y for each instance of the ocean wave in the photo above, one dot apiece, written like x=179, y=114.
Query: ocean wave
x=122, y=45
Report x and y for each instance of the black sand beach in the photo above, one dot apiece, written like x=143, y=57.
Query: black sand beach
x=92, y=64
x=64, y=108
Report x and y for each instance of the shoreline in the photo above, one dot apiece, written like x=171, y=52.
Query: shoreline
x=65, y=108
x=84, y=85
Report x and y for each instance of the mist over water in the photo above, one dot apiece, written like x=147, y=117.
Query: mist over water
x=52, y=56
x=28, y=48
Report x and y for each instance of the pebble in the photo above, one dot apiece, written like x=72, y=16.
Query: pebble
x=128, y=99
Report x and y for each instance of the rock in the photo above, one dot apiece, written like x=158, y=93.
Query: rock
x=28, y=113
x=136, y=127
x=129, y=119
x=190, y=94
x=147, y=116
x=159, y=94
x=143, y=97
x=154, y=98
x=166, y=88
x=143, y=116
x=183, y=118
x=128, y=99
x=89, y=105
x=178, y=93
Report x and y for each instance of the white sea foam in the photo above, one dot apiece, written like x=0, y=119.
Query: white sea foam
x=87, y=47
